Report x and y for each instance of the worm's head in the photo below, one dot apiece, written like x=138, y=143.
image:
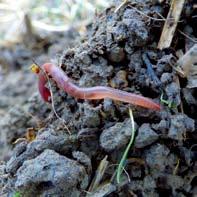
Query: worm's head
x=35, y=68
x=44, y=91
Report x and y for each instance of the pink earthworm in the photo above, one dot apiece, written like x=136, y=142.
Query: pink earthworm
x=90, y=93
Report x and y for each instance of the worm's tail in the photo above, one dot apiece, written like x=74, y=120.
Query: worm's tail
x=100, y=92
x=133, y=99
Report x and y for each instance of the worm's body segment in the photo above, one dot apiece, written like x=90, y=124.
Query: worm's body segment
x=97, y=92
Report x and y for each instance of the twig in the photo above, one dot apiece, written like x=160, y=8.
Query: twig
x=142, y=13
x=173, y=64
x=176, y=167
x=102, y=190
x=171, y=24
x=187, y=36
x=99, y=174
x=121, y=5
x=181, y=32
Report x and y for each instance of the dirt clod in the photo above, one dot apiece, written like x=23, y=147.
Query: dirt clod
x=116, y=136
x=50, y=171
x=145, y=137
x=180, y=125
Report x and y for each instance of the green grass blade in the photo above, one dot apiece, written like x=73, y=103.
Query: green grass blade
x=124, y=157
x=17, y=194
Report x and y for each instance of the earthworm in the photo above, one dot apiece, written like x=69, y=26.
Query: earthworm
x=90, y=93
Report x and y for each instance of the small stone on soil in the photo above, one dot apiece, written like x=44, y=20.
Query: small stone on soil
x=145, y=137
x=116, y=136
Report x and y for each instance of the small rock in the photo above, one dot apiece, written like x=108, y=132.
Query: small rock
x=85, y=58
x=162, y=127
x=146, y=136
x=166, y=78
x=135, y=185
x=53, y=172
x=149, y=187
x=149, y=183
x=163, y=64
x=188, y=155
x=136, y=61
x=87, y=133
x=120, y=80
x=180, y=125
x=136, y=27
x=90, y=115
x=120, y=32
x=175, y=182
x=83, y=159
x=136, y=171
x=173, y=93
x=116, y=54
x=116, y=136
x=170, y=183
x=108, y=109
x=158, y=158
